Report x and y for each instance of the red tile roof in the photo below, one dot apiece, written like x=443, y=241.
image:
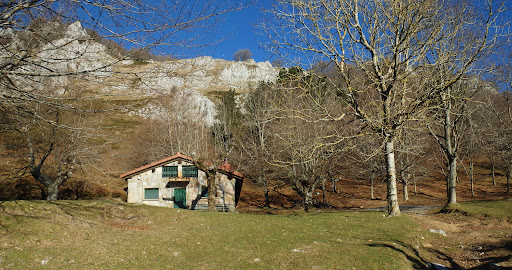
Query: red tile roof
x=225, y=168
x=155, y=164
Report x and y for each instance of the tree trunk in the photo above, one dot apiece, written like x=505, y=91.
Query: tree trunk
x=211, y=174
x=452, y=180
x=265, y=188
x=406, y=192
x=471, y=176
x=393, y=208
x=414, y=181
x=493, y=175
x=324, y=199
x=308, y=199
x=333, y=181
x=509, y=175
x=52, y=192
x=371, y=188
x=212, y=191
x=451, y=152
x=493, y=168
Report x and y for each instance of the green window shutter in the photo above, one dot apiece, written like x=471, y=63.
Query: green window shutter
x=151, y=194
x=170, y=171
x=190, y=171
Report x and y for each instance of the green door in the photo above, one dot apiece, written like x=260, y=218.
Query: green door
x=180, y=198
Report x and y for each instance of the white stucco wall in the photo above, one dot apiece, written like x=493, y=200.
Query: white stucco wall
x=153, y=179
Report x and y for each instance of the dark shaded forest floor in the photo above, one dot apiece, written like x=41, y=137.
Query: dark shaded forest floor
x=352, y=194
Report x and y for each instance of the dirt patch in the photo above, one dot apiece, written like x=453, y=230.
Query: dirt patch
x=471, y=242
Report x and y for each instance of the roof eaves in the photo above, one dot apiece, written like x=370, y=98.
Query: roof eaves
x=155, y=164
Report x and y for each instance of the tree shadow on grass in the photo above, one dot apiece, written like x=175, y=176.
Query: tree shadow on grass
x=491, y=262
x=408, y=251
x=87, y=212
x=506, y=255
x=445, y=257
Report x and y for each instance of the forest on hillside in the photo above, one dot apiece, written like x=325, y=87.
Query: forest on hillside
x=374, y=91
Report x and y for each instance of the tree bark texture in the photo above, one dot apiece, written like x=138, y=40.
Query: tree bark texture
x=265, y=189
x=212, y=191
x=493, y=168
x=53, y=192
x=324, y=199
x=393, y=208
x=406, y=192
x=471, y=176
x=333, y=185
x=371, y=188
x=308, y=199
x=509, y=175
x=452, y=180
x=451, y=150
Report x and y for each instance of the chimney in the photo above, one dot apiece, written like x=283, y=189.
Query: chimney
x=226, y=166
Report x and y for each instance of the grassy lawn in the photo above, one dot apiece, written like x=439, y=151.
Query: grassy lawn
x=115, y=235
x=492, y=209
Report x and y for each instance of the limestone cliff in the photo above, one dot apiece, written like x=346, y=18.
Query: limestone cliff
x=75, y=62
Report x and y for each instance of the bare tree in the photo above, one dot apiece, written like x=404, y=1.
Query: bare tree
x=301, y=143
x=242, y=55
x=395, y=46
x=411, y=153
x=52, y=56
x=278, y=62
x=453, y=124
x=364, y=162
x=498, y=135
x=502, y=115
x=56, y=151
x=254, y=142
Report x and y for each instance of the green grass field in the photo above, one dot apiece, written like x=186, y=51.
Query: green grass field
x=115, y=235
x=493, y=209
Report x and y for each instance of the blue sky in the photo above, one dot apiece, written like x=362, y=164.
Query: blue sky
x=238, y=32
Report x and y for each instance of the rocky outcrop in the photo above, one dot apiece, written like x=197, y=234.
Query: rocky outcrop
x=203, y=74
x=75, y=62
x=77, y=53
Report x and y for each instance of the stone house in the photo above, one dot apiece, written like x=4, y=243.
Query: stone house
x=176, y=182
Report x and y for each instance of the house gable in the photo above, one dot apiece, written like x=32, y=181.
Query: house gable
x=170, y=161
x=176, y=182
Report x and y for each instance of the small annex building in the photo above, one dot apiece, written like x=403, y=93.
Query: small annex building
x=176, y=182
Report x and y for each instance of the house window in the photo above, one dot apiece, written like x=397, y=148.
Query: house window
x=204, y=192
x=151, y=194
x=190, y=171
x=170, y=171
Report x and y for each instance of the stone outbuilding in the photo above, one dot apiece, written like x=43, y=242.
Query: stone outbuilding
x=176, y=182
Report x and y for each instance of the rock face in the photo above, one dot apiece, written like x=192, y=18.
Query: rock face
x=75, y=62
x=194, y=81
x=203, y=74
x=76, y=52
x=52, y=66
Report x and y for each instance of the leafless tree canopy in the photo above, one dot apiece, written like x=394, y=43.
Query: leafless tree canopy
x=242, y=55
x=388, y=54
